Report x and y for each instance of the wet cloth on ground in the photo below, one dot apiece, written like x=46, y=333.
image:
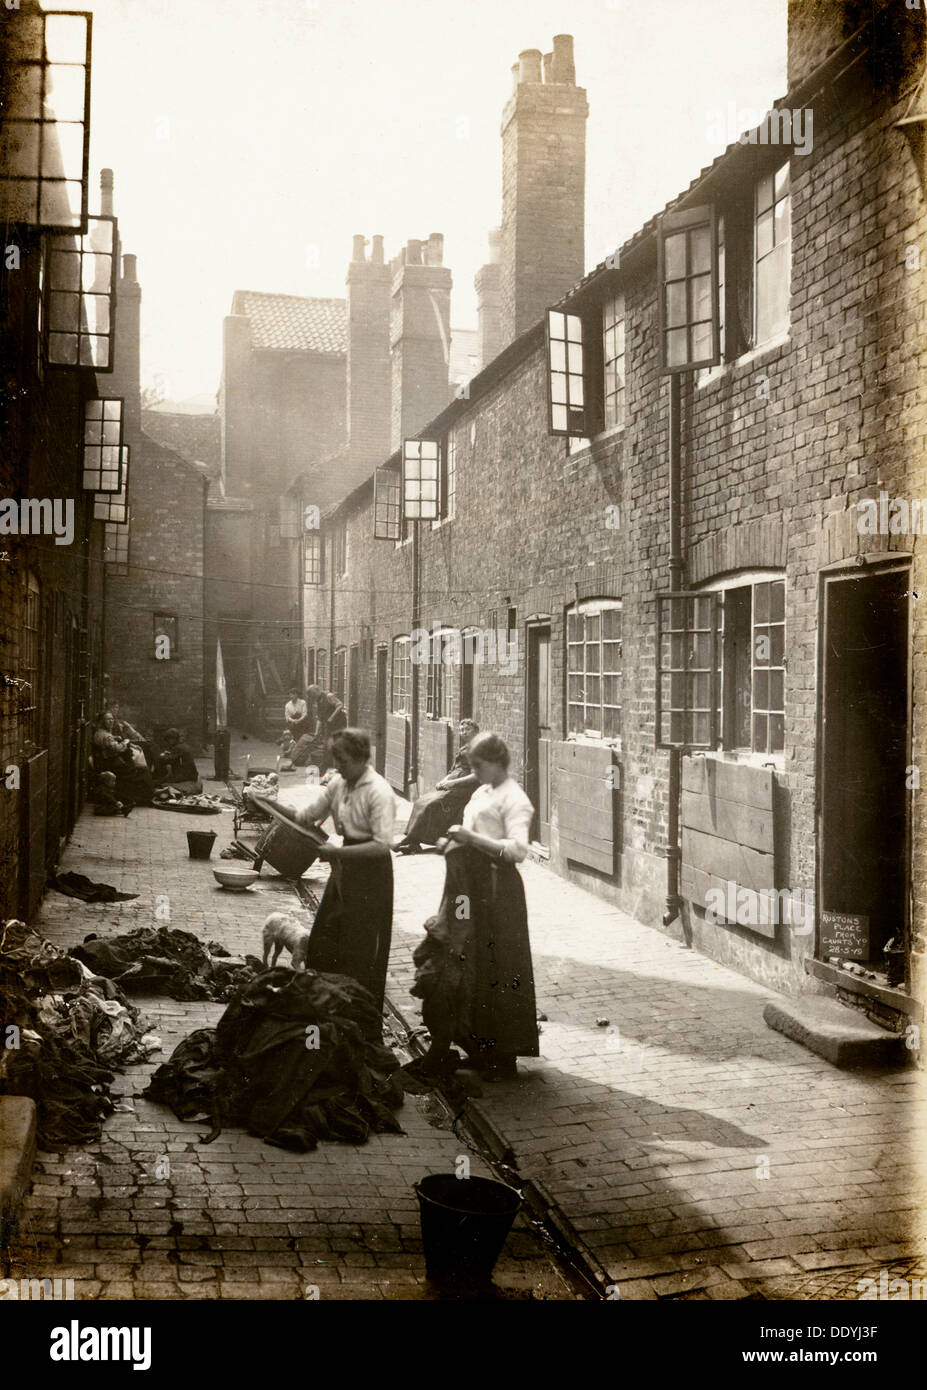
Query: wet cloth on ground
x=163, y=960
x=293, y=1059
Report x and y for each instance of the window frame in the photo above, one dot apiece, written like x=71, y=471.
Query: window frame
x=339, y=673
x=313, y=560
x=775, y=332
x=116, y=539
x=31, y=665
x=442, y=692
x=620, y=319
x=387, y=505
x=725, y=703
x=585, y=609
x=672, y=226
x=401, y=675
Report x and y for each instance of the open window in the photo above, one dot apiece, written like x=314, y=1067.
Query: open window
x=751, y=664
x=114, y=506
x=687, y=278
x=387, y=505
x=421, y=479
x=116, y=546
x=103, y=424
x=45, y=100
x=79, y=284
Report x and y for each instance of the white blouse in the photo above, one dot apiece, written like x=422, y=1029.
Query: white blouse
x=503, y=813
x=365, y=811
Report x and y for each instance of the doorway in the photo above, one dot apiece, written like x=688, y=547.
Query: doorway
x=537, y=730
x=863, y=804
x=380, y=733
x=353, y=686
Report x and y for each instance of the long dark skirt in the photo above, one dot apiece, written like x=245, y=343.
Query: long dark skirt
x=434, y=813
x=475, y=976
x=353, y=926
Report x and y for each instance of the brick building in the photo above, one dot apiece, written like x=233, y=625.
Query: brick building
x=55, y=352
x=312, y=392
x=154, y=623
x=702, y=416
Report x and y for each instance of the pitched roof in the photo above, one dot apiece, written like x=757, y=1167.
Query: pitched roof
x=289, y=323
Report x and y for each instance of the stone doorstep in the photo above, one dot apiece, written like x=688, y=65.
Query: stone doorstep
x=840, y=1035
x=17, y=1155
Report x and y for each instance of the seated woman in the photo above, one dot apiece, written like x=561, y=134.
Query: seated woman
x=125, y=760
x=296, y=714
x=436, y=811
x=175, y=766
x=123, y=729
x=474, y=975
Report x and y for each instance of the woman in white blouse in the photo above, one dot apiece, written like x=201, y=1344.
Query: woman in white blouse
x=474, y=975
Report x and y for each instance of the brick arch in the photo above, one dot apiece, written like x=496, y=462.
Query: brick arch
x=745, y=545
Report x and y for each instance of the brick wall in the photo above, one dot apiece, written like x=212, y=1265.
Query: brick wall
x=777, y=449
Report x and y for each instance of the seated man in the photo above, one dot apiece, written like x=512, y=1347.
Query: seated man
x=434, y=813
x=174, y=767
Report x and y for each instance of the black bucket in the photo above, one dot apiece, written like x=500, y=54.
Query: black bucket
x=200, y=843
x=465, y=1223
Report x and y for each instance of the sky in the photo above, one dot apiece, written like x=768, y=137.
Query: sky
x=251, y=139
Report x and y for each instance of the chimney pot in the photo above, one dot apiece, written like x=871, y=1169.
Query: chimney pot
x=562, y=66
x=106, y=192
x=434, y=249
x=516, y=73
x=414, y=253
x=548, y=67
x=530, y=65
x=358, y=252
x=376, y=254
x=130, y=269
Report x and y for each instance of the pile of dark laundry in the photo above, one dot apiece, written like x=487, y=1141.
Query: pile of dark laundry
x=75, y=1029
x=161, y=960
x=294, y=1059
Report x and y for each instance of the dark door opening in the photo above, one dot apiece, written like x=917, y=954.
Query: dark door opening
x=863, y=807
x=537, y=731
x=380, y=736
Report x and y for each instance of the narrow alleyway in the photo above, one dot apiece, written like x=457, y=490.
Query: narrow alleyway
x=237, y=1219
x=694, y=1153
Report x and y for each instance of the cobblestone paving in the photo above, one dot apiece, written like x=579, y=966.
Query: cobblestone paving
x=697, y=1152
x=149, y=1212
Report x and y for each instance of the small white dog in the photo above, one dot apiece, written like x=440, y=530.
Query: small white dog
x=282, y=930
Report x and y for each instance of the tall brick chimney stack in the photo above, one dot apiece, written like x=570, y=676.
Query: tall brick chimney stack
x=488, y=283
x=543, y=186
x=125, y=379
x=420, y=335
x=369, y=285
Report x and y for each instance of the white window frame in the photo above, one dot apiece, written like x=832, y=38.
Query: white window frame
x=762, y=335
x=589, y=608
x=401, y=675
x=744, y=579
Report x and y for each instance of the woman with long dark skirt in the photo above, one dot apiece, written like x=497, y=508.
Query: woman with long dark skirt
x=353, y=926
x=434, y=813
x=474, y=972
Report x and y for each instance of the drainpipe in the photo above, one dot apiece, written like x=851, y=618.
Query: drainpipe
x=673, y=856
x=416, y=624
x=331, y=620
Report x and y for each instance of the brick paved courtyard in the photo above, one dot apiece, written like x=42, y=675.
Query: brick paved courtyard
x=696, y=1153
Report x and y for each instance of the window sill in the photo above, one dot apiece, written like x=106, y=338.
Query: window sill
x=591, y=741
x=603, y=437
x=734, y=755
x=442, y=521
x=708, y=376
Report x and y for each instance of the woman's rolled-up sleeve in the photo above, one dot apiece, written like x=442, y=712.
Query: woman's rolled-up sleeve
x=317, y=807
x=381, y=814
x=517, y=823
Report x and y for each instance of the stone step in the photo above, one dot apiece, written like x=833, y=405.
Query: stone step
x=17, y=1154
x=841, y=1035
